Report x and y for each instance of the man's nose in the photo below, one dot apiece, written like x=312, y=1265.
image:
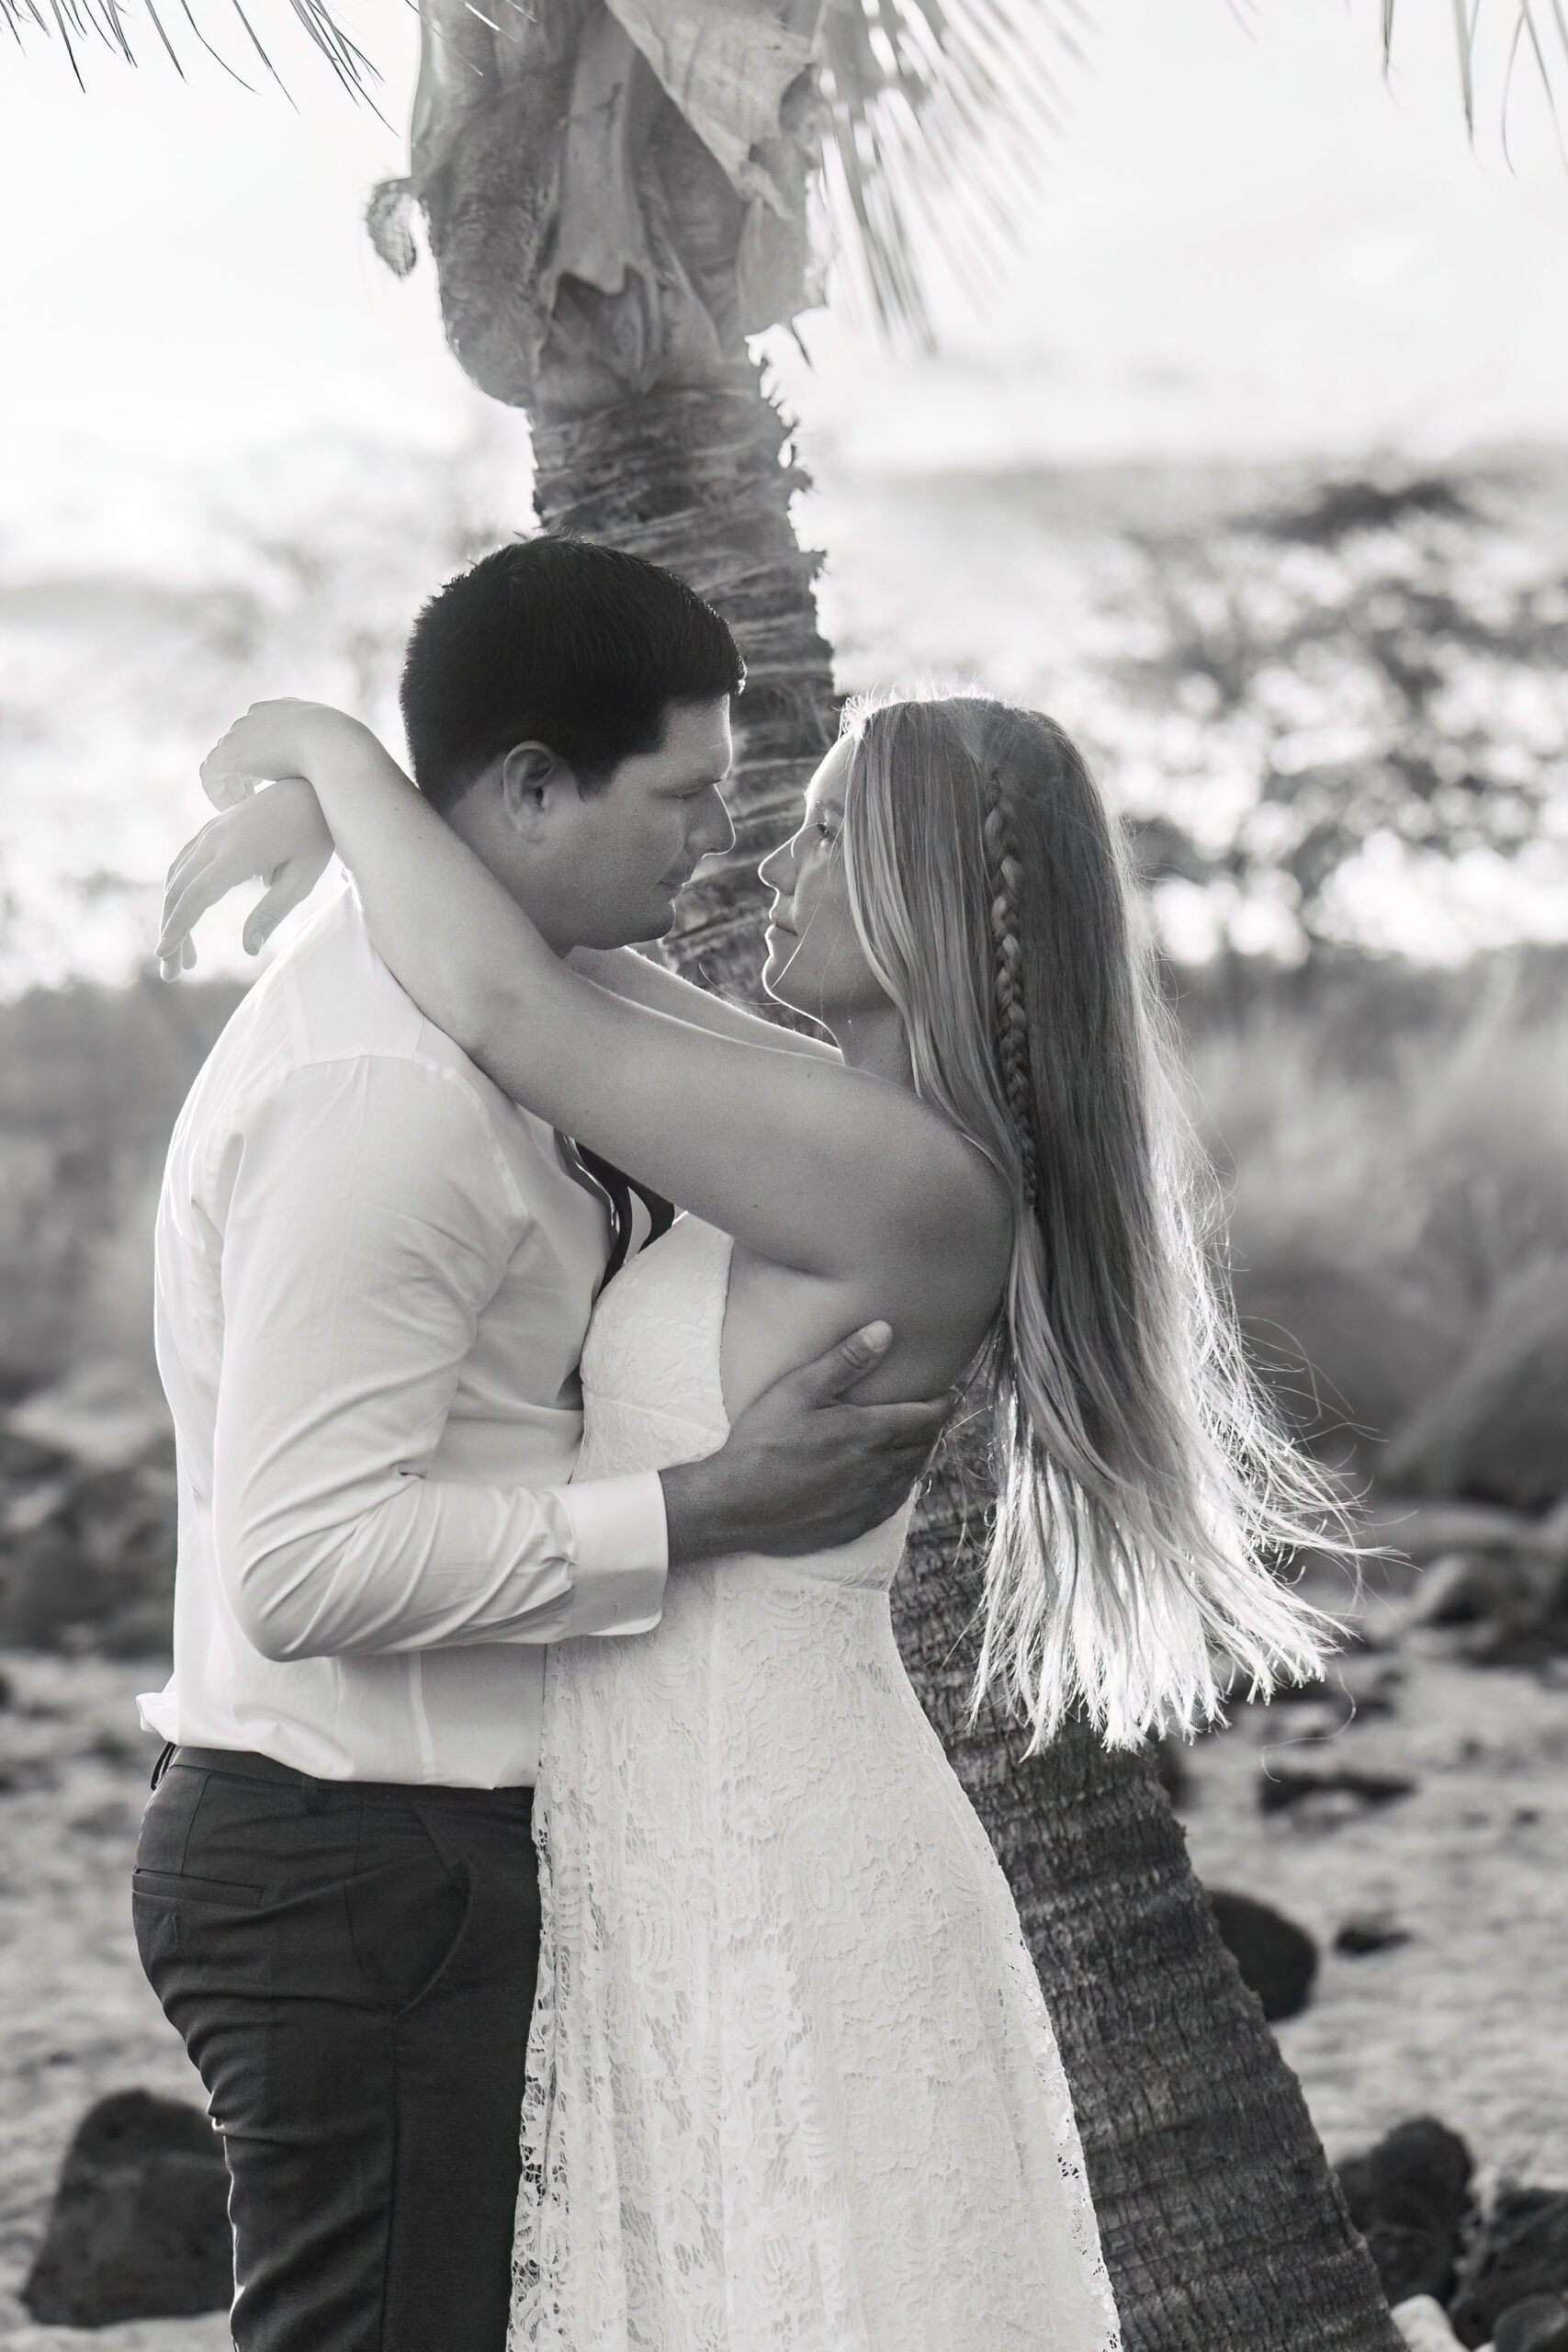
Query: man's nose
x=717, y=829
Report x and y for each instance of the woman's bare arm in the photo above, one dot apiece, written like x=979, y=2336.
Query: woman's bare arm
x=825, y=1169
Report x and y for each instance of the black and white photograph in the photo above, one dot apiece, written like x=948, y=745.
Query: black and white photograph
x=784, y=1176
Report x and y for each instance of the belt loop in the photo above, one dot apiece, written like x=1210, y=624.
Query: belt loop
x=315, y=1796
x=165, y=1758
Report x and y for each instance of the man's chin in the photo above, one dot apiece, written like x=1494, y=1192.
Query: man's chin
x=641, y=928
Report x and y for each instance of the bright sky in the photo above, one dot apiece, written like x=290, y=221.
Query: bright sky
x=1246, y=242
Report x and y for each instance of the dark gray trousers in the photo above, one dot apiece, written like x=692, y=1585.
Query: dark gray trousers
x=351, y=1967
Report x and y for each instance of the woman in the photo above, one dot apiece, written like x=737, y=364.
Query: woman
x=791, y=2078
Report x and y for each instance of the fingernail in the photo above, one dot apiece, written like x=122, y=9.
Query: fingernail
x=876, y=1335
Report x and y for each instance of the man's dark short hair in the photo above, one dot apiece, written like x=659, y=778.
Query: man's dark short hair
x=556, y=641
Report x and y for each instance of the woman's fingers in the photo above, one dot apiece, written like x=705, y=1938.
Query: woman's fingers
x=180, y=876
x=185, y=902
x=277, y=834
x=196, y=853
x=171, y=966
x=184, y=907
x=287, y=889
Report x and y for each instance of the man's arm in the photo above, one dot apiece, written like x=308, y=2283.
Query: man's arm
x=370, y=1220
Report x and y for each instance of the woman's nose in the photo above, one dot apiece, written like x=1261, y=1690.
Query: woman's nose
x=775, y=868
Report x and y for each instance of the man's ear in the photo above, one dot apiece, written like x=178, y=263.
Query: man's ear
x=532, y=778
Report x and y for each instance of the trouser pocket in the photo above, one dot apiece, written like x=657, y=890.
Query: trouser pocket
x=406, y=1912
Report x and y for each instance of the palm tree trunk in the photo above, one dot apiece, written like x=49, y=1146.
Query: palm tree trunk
x=701, y=481
x=1223, y=2225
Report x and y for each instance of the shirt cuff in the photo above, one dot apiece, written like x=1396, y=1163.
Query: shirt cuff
x=621, y=1552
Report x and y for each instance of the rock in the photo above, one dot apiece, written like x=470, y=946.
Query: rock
x=1409, y=2196
x=1520, y=2251
x=1279, y=1790
x=1425, y=2324
x=1369, y=1931
x=1539, y=2324
x=1277, y=1960
x=139, y=2225
x=1497, y=1430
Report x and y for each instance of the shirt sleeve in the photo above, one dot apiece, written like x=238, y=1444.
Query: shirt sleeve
x=370, y=1219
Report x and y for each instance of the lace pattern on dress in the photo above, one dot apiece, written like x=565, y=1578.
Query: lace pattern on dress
x=791, y=2078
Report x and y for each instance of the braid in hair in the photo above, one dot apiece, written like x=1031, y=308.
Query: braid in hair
x=1006, y=877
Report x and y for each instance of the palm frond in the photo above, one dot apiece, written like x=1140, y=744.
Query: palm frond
x=1538, y=26
x=78, y=22
x=941, y=113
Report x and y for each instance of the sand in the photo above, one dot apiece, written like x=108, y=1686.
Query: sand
x=1468, y=2020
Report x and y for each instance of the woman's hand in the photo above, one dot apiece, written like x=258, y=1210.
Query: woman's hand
x=279, y=833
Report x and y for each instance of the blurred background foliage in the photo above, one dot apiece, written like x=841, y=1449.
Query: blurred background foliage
x=1376, y=666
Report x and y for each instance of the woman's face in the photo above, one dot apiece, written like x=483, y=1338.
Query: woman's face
x=815, y=963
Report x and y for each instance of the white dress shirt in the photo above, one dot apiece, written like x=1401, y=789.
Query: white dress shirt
x=374, y=1276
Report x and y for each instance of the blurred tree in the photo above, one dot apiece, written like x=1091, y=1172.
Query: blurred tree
x=1378, y=664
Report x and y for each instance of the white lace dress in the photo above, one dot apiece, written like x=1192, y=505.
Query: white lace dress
x=792, y=2082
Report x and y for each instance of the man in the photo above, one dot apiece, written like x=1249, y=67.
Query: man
x=375, y=1274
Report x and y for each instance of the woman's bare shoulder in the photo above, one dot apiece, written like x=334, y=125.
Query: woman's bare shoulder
x=939, y=1267
x=948, y=1193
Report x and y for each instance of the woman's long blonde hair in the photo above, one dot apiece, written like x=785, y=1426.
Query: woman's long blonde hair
x=1143, y=1484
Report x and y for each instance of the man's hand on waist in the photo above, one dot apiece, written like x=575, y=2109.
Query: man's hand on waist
x=803, y=1469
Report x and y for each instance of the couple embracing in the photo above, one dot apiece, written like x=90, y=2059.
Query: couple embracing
x=582, y=1938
